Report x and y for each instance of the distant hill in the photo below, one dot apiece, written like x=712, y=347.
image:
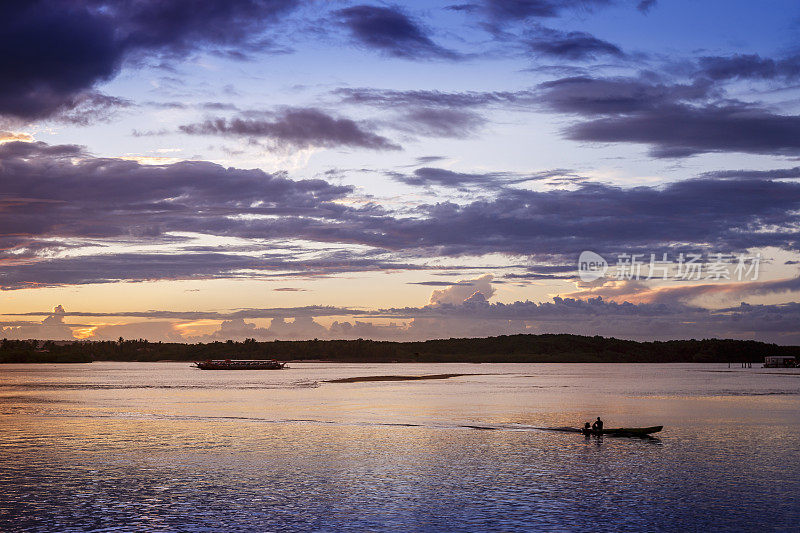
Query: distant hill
x=503, y=349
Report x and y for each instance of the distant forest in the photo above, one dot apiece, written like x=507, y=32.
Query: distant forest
x=503, y=349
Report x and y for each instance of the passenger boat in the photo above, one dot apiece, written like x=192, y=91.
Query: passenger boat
x=240, y=364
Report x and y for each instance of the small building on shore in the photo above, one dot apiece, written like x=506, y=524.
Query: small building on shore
x=780, y=361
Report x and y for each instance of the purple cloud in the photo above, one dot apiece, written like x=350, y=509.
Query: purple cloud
x=749, y=66
x=505, y=11
x=590, y=97
x=675, y=120
x=430, y=98
x=471, y=317
x=56, y=197
x=434, y=113
x=681, y=131
x=80, y=44
x=296, y=127
x=392, y=32
x=574, y=45
x=646, y=5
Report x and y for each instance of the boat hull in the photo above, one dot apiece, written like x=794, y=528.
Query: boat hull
x=239, y=365
x=627, y=432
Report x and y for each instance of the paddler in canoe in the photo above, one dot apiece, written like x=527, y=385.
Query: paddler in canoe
x=594, y=429
x=597, y=429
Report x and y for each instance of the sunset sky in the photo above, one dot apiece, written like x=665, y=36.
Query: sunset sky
x=284, y=169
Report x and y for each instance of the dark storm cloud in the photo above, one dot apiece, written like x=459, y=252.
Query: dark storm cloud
x=680, y=131
x=574, y=45
x=296, y=127
x=74, y=48
x=392, y=32
x=749, y=66
x=52, y=53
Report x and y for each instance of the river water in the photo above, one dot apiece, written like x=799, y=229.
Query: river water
x=166, y=447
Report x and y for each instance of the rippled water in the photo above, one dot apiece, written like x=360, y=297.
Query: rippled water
x=165, y=447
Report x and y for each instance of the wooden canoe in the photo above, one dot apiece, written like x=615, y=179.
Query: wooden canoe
x=617, y=432
x=628, y=432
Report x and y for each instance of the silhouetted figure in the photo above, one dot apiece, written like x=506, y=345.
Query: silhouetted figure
x=598, y=426
x=587, y=429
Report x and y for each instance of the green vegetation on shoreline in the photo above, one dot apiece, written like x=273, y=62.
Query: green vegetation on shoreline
x=547, y=348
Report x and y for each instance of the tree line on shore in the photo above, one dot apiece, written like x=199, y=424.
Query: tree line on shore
x=546, y=348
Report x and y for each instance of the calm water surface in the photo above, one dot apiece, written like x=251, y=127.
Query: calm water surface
x=165, y=447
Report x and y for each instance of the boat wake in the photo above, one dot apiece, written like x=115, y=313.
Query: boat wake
x=312, y=421
x=295, y=384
